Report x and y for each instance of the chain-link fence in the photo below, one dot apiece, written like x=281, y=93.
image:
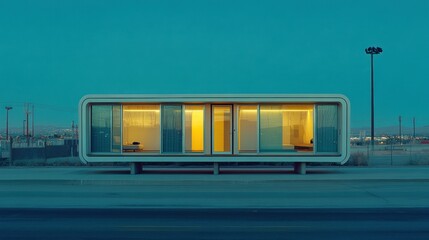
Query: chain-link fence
x=390, y=154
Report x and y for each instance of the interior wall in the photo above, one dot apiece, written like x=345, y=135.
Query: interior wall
x=247, y=130
x=297, y=127
x=141, y=123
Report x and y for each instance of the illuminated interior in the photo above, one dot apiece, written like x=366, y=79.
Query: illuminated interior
x=247, y=128
x=222, y=129
x=298, y=126
x=141, y=128
x=194, y=128
x=286, y=127
x=260, y=128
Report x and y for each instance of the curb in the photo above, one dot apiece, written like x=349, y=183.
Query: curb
x=143, y=182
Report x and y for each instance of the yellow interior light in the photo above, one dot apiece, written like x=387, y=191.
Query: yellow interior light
x=142, y=110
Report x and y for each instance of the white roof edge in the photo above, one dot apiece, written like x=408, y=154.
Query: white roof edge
x=238, y=95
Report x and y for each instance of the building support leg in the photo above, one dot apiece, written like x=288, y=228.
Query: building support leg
x=136, y=168
x=299, y=168
x=215, y=168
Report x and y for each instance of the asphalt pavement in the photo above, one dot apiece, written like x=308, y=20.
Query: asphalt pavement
x=65, y=224
x=192, y=203
x=161, y=187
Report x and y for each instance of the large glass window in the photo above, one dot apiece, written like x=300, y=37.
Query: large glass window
x=247, y=128
x=327, y=128
x=101, y=128
x=171, y=128
x=141, y=128
x=286, y=128
x=194, y=128
x=105, y=128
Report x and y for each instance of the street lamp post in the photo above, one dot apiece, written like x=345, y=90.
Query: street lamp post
x=372, y=51
x=23, y=128
x=7, y=122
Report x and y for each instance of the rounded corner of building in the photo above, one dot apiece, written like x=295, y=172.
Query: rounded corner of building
x=83, y=159
x=345, y=160
x=84, y=100
x=83, y=155
x=345, y=99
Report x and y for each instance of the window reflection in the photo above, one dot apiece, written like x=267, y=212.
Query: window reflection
x=286, y=128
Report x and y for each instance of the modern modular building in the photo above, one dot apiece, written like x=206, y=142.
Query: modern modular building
x=214, y=128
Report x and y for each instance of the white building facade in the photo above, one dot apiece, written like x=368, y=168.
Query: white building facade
x=215, y=128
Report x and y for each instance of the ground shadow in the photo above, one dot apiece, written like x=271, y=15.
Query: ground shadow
x=222, y=170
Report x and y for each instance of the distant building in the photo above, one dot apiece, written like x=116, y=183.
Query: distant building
x=215, y=128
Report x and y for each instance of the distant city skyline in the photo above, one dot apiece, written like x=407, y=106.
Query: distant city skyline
x=54, y=52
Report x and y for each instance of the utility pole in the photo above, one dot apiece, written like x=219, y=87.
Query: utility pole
x=72, y=129
x=23, y=127
x=32, y=122
x=27, y=113
x=7, y=122
x=75, y=131
x=72, y=140
x=27, y=121
x=400, y=130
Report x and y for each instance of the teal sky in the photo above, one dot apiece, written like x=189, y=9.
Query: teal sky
x=54, y=52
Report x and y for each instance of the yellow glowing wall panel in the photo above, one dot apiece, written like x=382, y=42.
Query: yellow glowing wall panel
x=198, y=130
x=219, y=129
x=222, y=128
x=308, y=137
x=194, y=128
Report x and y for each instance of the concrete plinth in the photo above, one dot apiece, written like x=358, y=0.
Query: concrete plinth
x=215, y=168
x=136, y=168
x=299, y=168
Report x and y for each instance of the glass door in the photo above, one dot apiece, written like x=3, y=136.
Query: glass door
x=221, y=129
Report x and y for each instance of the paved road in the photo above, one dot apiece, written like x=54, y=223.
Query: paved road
x=411, y=223
x=219, y=194
x=86, y=203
